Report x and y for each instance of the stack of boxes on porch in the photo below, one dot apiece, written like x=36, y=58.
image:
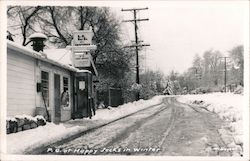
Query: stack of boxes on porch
x=45, y=86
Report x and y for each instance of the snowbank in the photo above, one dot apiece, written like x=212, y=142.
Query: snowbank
x=18, y=143
x=228, y=106
x=126, y=109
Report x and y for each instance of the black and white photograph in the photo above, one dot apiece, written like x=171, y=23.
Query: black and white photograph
x=96, y=79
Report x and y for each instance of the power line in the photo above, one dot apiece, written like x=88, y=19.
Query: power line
x=137, y=45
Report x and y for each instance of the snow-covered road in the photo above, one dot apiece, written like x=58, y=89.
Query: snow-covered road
x=171, y=128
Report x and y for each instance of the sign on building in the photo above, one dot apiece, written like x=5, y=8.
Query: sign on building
x=82, y=38
x=81, y=85
x=82, y=59
x=81, y=46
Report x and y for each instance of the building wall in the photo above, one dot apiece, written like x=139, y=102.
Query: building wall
x=51, y=69
x=23, y=73
x=21, y=87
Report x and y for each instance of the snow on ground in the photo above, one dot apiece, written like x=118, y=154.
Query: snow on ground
x=18, y=143
x=229, y=107
x=126, y=109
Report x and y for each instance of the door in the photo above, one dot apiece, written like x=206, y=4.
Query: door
x=57, y=99
x=82, y=97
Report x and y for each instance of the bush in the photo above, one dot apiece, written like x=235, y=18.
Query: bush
x=147, y=93
x=23, y=122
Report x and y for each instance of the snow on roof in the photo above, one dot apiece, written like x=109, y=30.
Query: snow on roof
x=83, y=70
x=38, y=35
x=60, y=55
x=37, y=55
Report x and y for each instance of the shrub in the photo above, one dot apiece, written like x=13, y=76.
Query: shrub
x=23, y=122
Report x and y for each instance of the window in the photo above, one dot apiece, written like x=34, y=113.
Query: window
x=45, y=87
x=65, y=94
x=65, y=84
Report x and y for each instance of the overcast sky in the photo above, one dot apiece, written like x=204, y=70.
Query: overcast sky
x=177, y=31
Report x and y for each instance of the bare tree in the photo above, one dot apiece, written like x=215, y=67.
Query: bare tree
x=26, y=16
x=212, y=63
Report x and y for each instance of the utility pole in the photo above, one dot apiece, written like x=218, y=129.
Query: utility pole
x=137, y=45
x=225, y=72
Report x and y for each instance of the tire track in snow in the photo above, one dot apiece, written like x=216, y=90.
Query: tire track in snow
x=42, y=150
x=185, y=133
x=203, y=111
x=135, y=126
x=129, y=137
x=170, y=125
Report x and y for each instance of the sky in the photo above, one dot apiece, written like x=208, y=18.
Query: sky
x=178, y=31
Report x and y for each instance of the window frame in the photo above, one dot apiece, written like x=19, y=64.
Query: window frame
x=66, y=85
x=45, y=89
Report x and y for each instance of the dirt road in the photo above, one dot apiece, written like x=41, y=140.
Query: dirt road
x=171, y=129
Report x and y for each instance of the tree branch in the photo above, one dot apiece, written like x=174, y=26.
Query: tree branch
x=26, y=23
x=52, y=10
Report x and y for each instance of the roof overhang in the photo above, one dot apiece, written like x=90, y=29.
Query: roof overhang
x=29, y=52
x=90, y=69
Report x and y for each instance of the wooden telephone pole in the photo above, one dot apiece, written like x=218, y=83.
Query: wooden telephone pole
x=225, y=72
x=137, y=42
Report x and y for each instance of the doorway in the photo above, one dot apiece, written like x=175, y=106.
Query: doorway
x=82, y=97
x=57, y=99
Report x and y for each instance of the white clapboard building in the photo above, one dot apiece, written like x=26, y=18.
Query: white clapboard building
x=36, y=82
x=27, y=72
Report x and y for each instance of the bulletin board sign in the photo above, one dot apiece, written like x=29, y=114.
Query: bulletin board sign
x=82, y=59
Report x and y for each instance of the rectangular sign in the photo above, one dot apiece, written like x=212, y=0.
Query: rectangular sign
x=82, y=59
x=82, y=38
x=81, y=85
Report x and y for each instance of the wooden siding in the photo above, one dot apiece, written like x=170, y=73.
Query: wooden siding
x=21, y=86
x=52, y=69
x=23, y=72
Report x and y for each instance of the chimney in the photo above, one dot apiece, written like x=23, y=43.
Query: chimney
x=38, y=41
